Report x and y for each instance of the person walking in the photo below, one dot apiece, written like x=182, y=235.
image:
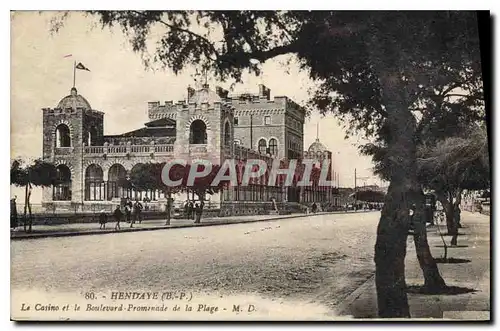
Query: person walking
x=103, y=219
x=128, y=210
x=118, y=217
x=146, y=200
x=137, y=212
x=190, y=211
x=13, y=213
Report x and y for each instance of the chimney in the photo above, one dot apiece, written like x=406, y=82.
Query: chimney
x=264, y=92
x=153, y=105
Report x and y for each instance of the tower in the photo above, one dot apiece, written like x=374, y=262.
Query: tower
x=205, y=126
x=67, y=129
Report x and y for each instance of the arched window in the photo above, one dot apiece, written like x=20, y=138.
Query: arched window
x=94, y=184
x=92, y=137
x=262, y=146
x=273, y=146
x=198, y=132
x=117, y=177
x=63, y=138
x=62, y=190
x=227, y=134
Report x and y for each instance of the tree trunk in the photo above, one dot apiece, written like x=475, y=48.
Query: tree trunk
x=29, y=209
x=390, y=252
x=399, y=134
x=392, y=231
x=25, y=206
x=433, y=280
x=448, y=209
x=169, y=208
x=456, y=218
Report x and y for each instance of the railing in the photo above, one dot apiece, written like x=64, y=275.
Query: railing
x=164, y=148
x=132, y=149
x=140, y=148
x=94, y=149
x=116, y=149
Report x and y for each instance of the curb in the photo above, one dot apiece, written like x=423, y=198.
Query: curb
x=351, y=298
x=164, y=227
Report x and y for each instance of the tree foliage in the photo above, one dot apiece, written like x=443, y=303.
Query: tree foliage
x=456, y=163
x=39, y=173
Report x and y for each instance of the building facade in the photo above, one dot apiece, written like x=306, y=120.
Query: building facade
x=93, y=167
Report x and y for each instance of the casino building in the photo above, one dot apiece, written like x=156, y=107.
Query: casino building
x=206, y=125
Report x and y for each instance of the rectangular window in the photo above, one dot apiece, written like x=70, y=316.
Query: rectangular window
x=267, y=120
x=236, y=121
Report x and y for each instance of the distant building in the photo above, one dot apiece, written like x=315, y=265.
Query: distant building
x=207, y=125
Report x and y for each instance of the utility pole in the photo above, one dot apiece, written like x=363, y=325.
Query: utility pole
x=355, y=177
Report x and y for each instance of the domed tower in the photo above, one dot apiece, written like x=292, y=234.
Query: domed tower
x=205, y=126
x=318, y=152
x=67, y=128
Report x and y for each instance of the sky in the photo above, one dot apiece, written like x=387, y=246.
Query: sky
x=120, y=86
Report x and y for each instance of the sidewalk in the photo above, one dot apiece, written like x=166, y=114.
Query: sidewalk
x=77, y=229
x=469, y=277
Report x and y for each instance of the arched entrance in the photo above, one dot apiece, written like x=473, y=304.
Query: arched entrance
x=62, y=191
x=117, y=182
x=94, y=183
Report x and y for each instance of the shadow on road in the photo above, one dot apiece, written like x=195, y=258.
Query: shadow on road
x=451, y=260
x=448, y=290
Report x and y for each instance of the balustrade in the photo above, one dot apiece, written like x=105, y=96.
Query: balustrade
x=132, y=149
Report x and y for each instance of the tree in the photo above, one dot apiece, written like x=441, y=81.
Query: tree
x=147, y=176
x=453, y=165
x=205, y=185
x=371, y=68
x=39, y=173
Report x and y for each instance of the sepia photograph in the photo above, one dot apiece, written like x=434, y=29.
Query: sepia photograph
x=246, y=165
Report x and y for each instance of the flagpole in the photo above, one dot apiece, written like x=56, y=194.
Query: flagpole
x=74, y=73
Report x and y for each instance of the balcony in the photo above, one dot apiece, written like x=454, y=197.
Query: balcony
x=132, y=150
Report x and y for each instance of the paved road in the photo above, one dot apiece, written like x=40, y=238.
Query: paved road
x=318, y=260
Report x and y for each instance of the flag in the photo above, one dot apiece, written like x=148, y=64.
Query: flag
x=81, y=67
x=69, y=55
